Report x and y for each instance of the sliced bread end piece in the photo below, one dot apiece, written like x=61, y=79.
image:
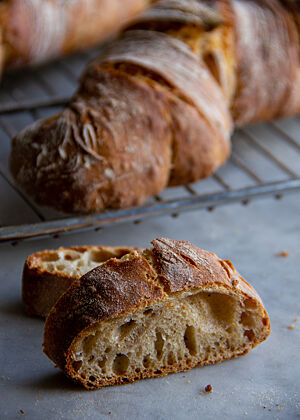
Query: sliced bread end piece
x=49, y=273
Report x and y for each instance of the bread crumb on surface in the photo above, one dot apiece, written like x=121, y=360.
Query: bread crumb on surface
x=188, y=382
x=282, y=254
x=296, y=319
x=208, y=388
x=291, y=327
x=21, y=411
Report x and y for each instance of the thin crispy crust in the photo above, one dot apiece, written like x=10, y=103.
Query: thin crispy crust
x=41, y=288
x=119, y=287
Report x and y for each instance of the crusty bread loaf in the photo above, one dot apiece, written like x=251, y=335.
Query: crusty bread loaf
x=155, y=109
x=48, y=274
x=37, y=30
x=150, y=313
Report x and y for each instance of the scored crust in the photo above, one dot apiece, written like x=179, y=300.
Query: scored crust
x=121, y=289
x=49, y=273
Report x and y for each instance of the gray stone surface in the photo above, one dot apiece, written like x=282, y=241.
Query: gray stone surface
x=267, y=377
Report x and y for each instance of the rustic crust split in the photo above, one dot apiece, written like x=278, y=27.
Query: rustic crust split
x=48, y=274
x=150, y=313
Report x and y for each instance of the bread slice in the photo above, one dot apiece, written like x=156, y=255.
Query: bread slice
x=48, y=274
x=150, y=313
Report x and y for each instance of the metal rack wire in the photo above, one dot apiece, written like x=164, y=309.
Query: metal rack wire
x=265, y=161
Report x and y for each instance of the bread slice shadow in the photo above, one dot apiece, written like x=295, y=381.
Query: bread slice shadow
x=55, y=381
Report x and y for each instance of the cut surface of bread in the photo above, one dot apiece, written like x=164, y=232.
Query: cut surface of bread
x=49, y=273
x=150, y=313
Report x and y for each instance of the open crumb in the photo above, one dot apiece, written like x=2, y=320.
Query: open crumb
x=282, y=254
x=208, y=388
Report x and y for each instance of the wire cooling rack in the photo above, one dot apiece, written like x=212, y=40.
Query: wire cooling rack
x=265, y=160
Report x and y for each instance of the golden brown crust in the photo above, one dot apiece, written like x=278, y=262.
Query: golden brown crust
x=43, y=29
x=41, y=288
x=109, y=150
x=122, y=287
x=182, y=266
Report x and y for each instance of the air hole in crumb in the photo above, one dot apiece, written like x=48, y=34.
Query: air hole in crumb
x=126, y=329
x=265, y=321
x=250, y=334
x=61, y=267
x=92, y=378
x=171, y=358
x=190, y=340
x=108, y=349
x=148, y=311
x=91, y=359
x=159, y=345
x=223, y=307
x=147, y=361
x=77, y=365
x=101, y=363
x=88, y=343
x=120, y=364
x=72, y=257
x=51, y=257
x=137, y=370
x=247, y=320
x=99, y=256
x=158, y=372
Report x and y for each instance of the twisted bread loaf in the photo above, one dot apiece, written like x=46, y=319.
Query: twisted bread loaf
x=157, y=107
x=36, y=30
x=150, y=313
